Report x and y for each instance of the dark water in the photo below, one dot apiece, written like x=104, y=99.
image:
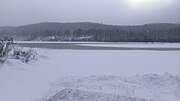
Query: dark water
x=75, y=46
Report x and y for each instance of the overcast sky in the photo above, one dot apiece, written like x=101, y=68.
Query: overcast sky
x=116, y=12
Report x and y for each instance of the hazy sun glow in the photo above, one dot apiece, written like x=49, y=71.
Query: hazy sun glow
x=149, y=3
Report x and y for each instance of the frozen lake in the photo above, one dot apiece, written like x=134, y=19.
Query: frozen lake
x=112, y=58
x=29, y=82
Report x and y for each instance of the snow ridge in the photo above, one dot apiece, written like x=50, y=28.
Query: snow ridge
x=78, y=95
x=149, y=87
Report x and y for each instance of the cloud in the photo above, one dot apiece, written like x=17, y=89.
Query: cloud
x=18, y=12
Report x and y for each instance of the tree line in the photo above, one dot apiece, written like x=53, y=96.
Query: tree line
x=109, y=35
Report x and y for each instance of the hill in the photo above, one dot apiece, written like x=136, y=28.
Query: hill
x=86, y=31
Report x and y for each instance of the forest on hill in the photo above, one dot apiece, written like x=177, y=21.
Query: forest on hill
x=93, y=32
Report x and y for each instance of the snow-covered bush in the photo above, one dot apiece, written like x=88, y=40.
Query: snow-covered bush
x=8, y=50
x=24, y=55
x=6, y=45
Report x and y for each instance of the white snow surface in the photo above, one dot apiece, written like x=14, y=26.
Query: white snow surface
x=79, y=95
x=150, y=87
x=31, y=82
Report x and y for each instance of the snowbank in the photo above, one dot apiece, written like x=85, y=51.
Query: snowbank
x=152, y=87
x=79, y=95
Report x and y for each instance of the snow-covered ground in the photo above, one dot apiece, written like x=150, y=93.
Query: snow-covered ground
x=79, y=95
x=148, y=87
x=31, y=82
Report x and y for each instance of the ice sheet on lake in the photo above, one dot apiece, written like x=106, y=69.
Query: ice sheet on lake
x=136, y=45
x=28, y=82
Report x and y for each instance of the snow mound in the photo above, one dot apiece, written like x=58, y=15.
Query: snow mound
x=79, y=95
x=150, y=86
